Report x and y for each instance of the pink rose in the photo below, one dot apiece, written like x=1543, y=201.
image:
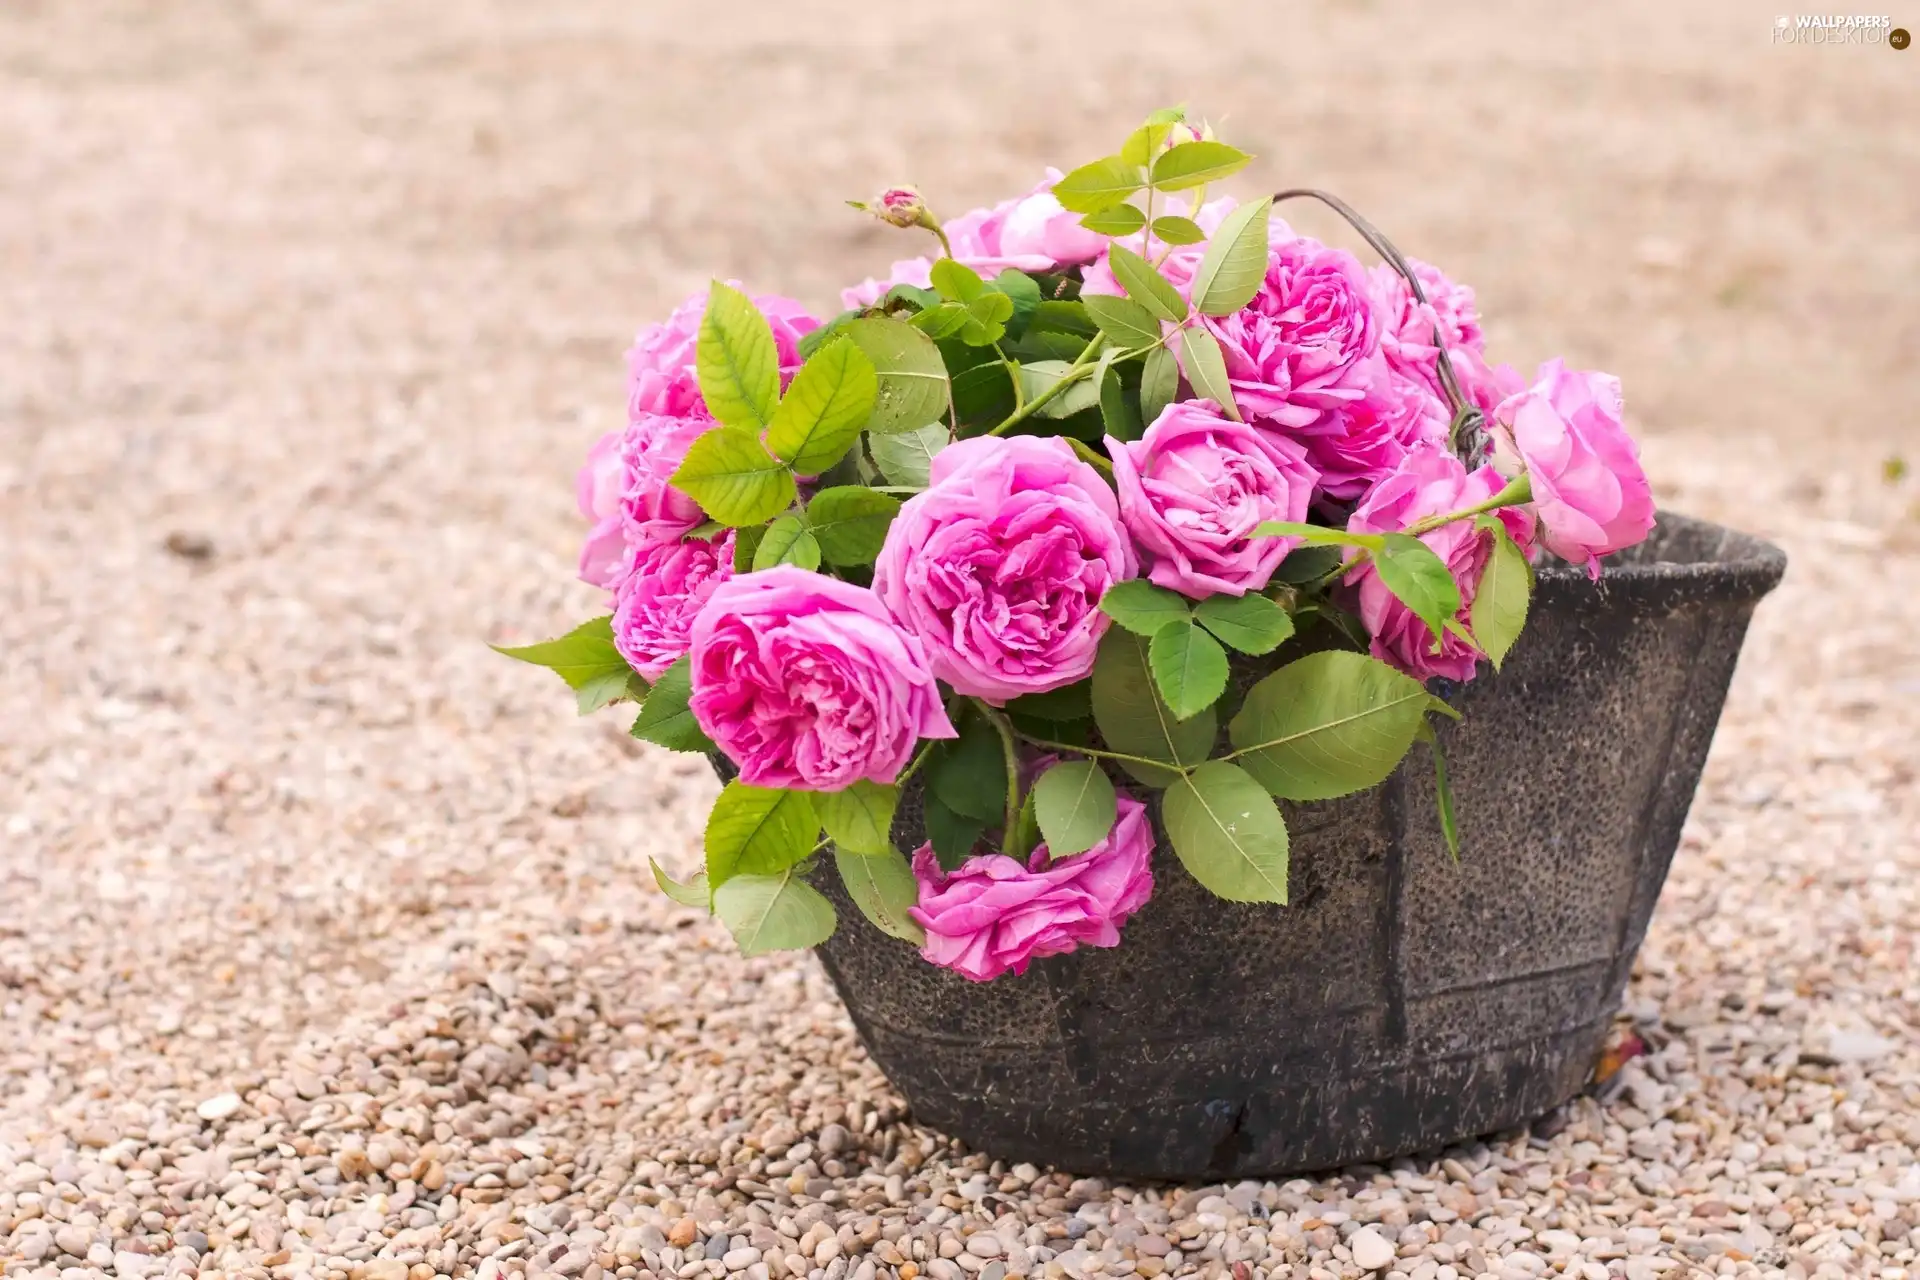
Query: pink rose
x=993, y=915
x=1430, y=481
x=1307, y=346
x=660, y=364
x=1407, y=327
x=625, y=488
x=1486, y=385
x=1031, y=233
x=655, y=604
x=598, y=489
x=1407, y=336
x=806, y=683
x=1588, y=488
x=1357, y=447
x=1192, y=490
x=999, y=566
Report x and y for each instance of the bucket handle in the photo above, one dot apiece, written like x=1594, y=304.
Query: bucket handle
x=1468, y=432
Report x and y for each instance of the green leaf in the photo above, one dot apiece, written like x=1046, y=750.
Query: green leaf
x=773, y=913
x=1443, y=793
x=912, y=379
x=1228, y=834
x=1313, y=535
x=1499, y=611
x=1060, y=316
x=906, y=457
x=1072, y=735
x=1145, y=285
x=1143, y=608
x=603, y=690
x=1118, y=416
x=860, y=818
x=1159, y=383
x=1174, y=229
x=956, y=280
x=1412, y=571
x=1067, y=703
x=952, y=835
x=694, y=893
x=1144, y=141
x=1092, y=457
x=987, y=317
x=758, y=831
x=1132, y=717
x=1207, y=369
x=825, y=407
x=736, y=362
x=1194, y=164
x=1075, y=807
x=665, y=719
x=1125, y=322
x=581, y=657
x=942, y=321
x=850, y=523
x=1119, y=220
x=1039, y=377
x=1189, y=666
x=815, y=339
x=1236, y=261
x=897, y=298
x=788, y=541
x=746, y=544
x=1327, y=725
x=982, y=394
x=1026, y=296
x=883, y=887
x=970, y=774
x=1250, y=623
x=1307, y=564
x=1100, y=185
x=734, y=479
x=1025, y=837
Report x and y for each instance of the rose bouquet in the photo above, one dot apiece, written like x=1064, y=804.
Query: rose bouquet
x=991, y=536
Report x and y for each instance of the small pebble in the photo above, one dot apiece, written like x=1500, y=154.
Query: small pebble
x=1370, y=1251
x=219, y=1106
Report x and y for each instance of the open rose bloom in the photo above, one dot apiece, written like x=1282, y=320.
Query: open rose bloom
x=1016, y=542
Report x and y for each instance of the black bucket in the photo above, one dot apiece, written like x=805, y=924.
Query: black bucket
x=1402, y=1002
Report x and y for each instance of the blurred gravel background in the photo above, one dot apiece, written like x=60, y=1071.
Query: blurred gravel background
x=326, y=942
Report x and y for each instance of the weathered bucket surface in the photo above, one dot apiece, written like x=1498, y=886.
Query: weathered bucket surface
x=1401, y=1002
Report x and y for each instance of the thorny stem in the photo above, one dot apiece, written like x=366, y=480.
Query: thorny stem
x=1004, y=727
x=1518, y=490
x=1102, y=754
x=1193, y=210
x=913, y=766
x=933, y=225
x=1075, y=371
x=1013, y=375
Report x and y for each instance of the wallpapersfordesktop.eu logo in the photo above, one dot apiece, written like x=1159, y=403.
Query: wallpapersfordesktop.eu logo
x=1839, y=30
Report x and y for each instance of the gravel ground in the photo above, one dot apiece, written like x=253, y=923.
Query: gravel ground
x=328, y=946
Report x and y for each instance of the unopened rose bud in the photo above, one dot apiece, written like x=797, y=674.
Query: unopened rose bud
x=903, y=207
x=1187, y=131
x=899, y=207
